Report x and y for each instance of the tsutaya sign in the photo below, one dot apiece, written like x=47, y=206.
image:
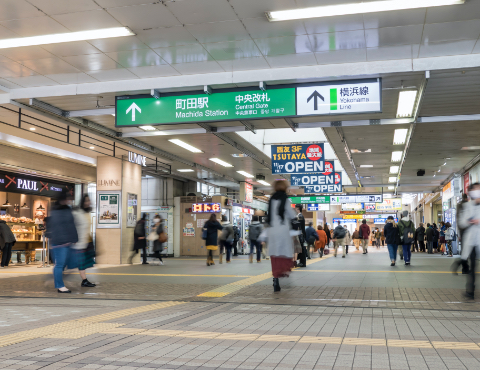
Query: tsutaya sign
x=342, y=97
x=137, y=158
x=297, y=159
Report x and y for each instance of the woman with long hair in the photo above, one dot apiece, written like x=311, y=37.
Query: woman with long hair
x=280, y=242
x=392, y=236
x=322, y=240
x=157, y=245
x=329, y=235
x=211, y=242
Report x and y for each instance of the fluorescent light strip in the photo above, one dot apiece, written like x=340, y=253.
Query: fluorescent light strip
x=246, y=174
x=357, y=8
x=397, y=156
x=400, y=136
x=56, y=38
x=406, y=103
x=185, y=170
x=392, y=179
x=366, y=165
x=391, y=187
x=219, y=161
x=185, y=145
x=394, y=169
x=147, y=128
x=263, y=182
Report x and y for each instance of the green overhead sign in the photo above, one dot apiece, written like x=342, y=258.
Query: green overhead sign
x=237, y=105
x=321, y=199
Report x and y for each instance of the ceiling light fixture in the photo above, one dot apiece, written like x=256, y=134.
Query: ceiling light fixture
x=25, y=206
x=400, y=136
x=391, y=187
x=186, y=170
x=471, y=148
x=246, y=174
x=392, y=179
x=406, y=103
x=394, y=169
x=92, y=147
x=56, y=38
x=397, y=156
x=366, y=165
x=357, y=8
x=263, y=182
x=219, y=161
x=32, y=128
x=185, y=145
x=147, y=128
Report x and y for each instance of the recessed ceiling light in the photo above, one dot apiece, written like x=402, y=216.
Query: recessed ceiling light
x=391, y=187
x=263, y=182
x=392, y=179
x=400, y=136
x=185, y=170
x=394, y=169
x=406, y=103
x=185, y=145
x=366, y=165
x=471, y=148
x=246, y=174
x=355, y=151
x=219, y=161
x=92, y=147
x=357, y=8
x=32, y=128
x=397, y=156
x=147, y=128
x=66, y=37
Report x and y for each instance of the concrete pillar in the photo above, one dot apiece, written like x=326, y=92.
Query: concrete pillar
x=114, y=245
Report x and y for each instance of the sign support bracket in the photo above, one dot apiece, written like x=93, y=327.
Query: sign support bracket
x=248, y=126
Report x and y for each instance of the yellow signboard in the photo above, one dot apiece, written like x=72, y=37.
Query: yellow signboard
x=352, y=217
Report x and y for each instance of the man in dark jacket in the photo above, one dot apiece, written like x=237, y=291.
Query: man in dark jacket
x=365, y=235
x=7, y=240
x=420, y=237
x=339, y=234
x=392, y=238
x=299, y=224
x=429, y=235
x=236, y=237
x=311, y=236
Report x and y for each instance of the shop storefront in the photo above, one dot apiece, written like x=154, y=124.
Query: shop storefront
x=25, y=202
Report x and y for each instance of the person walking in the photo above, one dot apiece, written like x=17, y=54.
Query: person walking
x=377, y=238
x=236, y=237
x=211, y=241
x=226, y=240
x=436, y=237
x=84, y=249
x=382, y=236
x=348, y=238
x=372, y=238
x=157, y=243
x=441, y=247
x=328, y=234
x=280, y=243
x=339, y=234
x=139, y=240
x=364, y=232
x=420, y=237
x=406, y=229
x=449, y=237
x=7, y=241
x=311, y=236
x=392, y=237
x=61, y=230
x=356, y=239
x=254, y=232
x=322, y=240
x=299, y=224
x=461, y=230
x=429, y=234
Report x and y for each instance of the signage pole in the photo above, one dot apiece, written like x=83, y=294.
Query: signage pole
x=44, y=252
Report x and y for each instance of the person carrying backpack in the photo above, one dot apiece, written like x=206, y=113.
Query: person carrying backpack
x=339, y=235
x=254, y=232
x=311, y=236
x=406, y=229
x=449, y=238
x=226, y=239
x=364, y=233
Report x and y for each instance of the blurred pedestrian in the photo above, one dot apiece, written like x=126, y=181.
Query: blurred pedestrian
x=61, y=231
x=348, y=238
x=441, y=246
x=7, y=241
x=299, y=244
x=211, y=239
x=364, y=232
x=339, y=235
x=84, y=249
x=158, y=242
x=392, y=237
x=226, y=239
x=406, y=229
x=420, y=237
x=311, y=237
x=236, y=237
x=329, y=235
x=436, y=237
x=449, y=237
x=382, y=237
x=322, y=241
x=430, y=235
x=377, y=237
x=139, y=240
x=254, y=232
x=356, y=239
x=280, y=242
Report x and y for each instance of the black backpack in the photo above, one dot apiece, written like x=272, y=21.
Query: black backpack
x=342, y=233
x=408, y=233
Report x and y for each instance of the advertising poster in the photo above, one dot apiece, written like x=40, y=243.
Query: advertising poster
x=108, y=209
x=188, y=231
x=131, y=210
x=389, y=205
x=298, y=159
x=248, y=192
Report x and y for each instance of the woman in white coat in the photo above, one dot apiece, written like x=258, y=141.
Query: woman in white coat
x=280, y=242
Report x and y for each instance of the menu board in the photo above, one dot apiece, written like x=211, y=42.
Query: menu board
x=108, y=209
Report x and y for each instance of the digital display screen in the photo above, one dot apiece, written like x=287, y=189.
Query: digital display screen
x=206, y=208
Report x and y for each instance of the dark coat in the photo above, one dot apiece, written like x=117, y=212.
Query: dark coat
x=138, y=233
x=6, y=235
x=61, y=228
x=391, y=233
x=310, y=231
x=420, y=233
x=212, y=232
x=157, y=246
x=365, y=231
x=430, y=234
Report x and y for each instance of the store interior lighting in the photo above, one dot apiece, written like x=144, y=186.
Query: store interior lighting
x=7, y=203
x=394, y=169
x=400, y=136
x=263, y=182
x=185, y=145
x=246, y=174
x=356, y=8
x=406, y=103
x=103, y=33
x=220, y=162
x=397, y=156
x=25, y=206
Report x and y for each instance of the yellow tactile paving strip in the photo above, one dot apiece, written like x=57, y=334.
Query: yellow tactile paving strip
x=123, y=274
x=224, y=290
x=381, y=271
x=82, y=327
x=296, y=338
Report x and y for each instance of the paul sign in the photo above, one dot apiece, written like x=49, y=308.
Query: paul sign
x=298, y=159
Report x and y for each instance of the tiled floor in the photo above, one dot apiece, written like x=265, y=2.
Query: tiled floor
x=352, y=313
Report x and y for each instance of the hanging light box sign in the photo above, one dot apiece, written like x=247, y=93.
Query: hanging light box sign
x=298, y=159
x=206, y=208
x=319, y=183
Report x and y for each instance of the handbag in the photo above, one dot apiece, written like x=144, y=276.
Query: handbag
x=162, y=238
x=204, y=234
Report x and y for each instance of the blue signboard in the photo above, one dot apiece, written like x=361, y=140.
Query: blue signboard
x=343, y=221
x=327, y=184
x=382, y=220
x=296, y=159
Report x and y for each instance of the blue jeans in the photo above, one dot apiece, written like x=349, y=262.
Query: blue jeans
x=63, y=257
x=407, y=253
x=228, y=248
x=258, y=247
x=392, y=251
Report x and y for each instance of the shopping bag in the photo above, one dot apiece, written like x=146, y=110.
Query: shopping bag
x=152, y=236
x=326, y=251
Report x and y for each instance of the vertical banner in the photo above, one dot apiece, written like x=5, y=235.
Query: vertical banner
x=248, y=192
x=298, y=159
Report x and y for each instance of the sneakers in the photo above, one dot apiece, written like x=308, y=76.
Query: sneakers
x=392, y=264
x=342, y=256
x=161, y=263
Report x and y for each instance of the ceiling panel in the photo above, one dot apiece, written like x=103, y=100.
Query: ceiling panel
x=92, y=62
x=25, y=53
x=144, y=16
x=88, y=20
x=342, y=56
x=394, y=19
x=218, y=31
x=291, y=60
x=71, y=78
x=40, y=26
x=199, y=67
x=118, y=44
x=244, y=64
x=449, y=31
x=17, y=9
x=435, y=49
x=338, y=40
x=112, y=74
x=66, y=49
x=32, y=81
x=137, y=58
x=184, y=54
x=154, y=71
x=394, y=36
x=255, y=8
x=284, y=45
x=261, y=28
x=166, y=37
x=49, y=66
x=13, y=69
x=233, y=50
x=64, y=6
x=200, y=11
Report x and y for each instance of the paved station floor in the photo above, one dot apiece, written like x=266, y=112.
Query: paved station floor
x=337, y=313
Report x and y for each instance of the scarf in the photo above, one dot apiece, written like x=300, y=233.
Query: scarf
x=282, y=197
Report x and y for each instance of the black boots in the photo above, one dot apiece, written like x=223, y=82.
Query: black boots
x=87, y=284
x=276, y=285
